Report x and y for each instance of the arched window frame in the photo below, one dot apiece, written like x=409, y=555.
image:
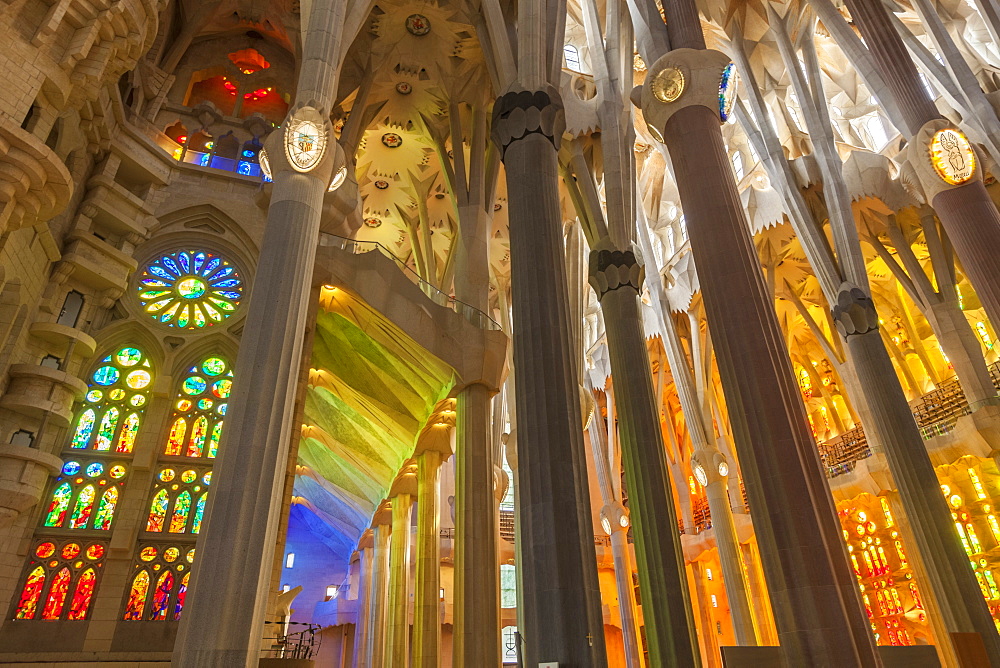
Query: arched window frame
x=107, y=480
x=572, y=56
x=157, y=601
x=71, y=573
x=203, y=395
x=170, y=485
x=115, y=399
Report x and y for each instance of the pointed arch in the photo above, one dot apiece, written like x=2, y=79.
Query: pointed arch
x=199, y=513
x=158, y=511
x=181, y=595
x=213, y=441
x=161, y=595
x=182, y=508
x=31, y=593
x=175, y=442
x=106, y=432
x=82, y=594
x=57, y=594
x=59, y=505
x=84, y=428
x=137, y=596
x=83, y=508
x=199, y=431
x=130, y=428
x=106, y=509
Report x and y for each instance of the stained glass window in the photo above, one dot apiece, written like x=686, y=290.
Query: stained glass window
x=175, y=442
x=137, y=596
x=199, y=512
x=75, y=501
x=158, y=511
x=82, y=594
x=115, y=401
x=182, y=508
x=30, y=593
x=161, y=596
x=60, y=580
x=159, y=582
x=57, y=594
x=200, y=406
x=174, y=495
x=106, y=510
x=60, y=503
x=181, y=595
x=84, y=506
x=190, y=289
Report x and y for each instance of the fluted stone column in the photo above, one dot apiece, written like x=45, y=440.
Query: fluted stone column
x=376, y=634
x=616, y=277
x=223, y=619
x=477, y=573
x=426, y=601
x=623, y=581
x=361, y=626
x=398, y=622
x=953, y=582
x=818, y=613
x=561, y=597
x=708, y=456
x=724, y=528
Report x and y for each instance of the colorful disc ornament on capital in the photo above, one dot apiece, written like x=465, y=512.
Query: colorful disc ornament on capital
x=190, y=289
x=727, y=92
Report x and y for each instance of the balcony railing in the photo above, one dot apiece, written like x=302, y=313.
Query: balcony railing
x=301, y=643
x=936, y=413
x=355, y=247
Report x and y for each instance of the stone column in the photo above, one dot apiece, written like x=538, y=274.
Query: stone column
x=477, y=573
x=707, y=455
x=561, y=597
x=375, y=635
x=965, y=209
x=398, y=618
x=223, y=621
x=716, y=470
x=953, y=583
x=818, y=612
x=623, y=581
x=426, y=602
x=616, y=277
x=361, y=626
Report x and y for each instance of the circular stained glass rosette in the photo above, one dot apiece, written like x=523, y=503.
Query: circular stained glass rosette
x=190, y=289
x=727, y=91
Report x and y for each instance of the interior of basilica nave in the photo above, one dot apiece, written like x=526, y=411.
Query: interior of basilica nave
x=445, y=333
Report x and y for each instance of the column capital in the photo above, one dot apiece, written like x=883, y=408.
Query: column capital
x=854, y=312
x=519, y=113
x=613, y=269
x=683, y=78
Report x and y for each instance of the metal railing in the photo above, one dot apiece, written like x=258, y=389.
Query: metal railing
x=355, y=247
x=936, y=413
x=300, y=644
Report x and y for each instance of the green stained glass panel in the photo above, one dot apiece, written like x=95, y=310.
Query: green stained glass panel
x=107, y=431
x=84, y=427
